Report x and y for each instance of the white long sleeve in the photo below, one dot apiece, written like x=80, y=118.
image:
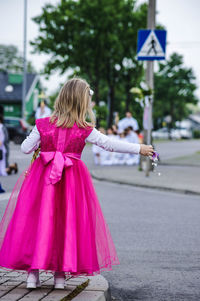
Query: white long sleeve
x=31, y=142
x=112, y=145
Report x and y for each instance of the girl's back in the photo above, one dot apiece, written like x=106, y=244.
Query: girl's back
x=65, y=140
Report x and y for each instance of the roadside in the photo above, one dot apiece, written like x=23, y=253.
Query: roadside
x=177, y=171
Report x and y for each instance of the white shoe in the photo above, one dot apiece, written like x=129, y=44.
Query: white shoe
x=33, y=279
x=59, y=280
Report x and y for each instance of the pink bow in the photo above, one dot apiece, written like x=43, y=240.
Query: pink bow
x=59, y=161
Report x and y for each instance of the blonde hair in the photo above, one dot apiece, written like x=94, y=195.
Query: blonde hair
x=73, y=104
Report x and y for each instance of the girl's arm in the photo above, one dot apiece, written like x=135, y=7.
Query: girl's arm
x=112, y=145
x=31, y=142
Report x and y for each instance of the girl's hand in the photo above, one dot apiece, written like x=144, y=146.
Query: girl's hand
x=146, y=150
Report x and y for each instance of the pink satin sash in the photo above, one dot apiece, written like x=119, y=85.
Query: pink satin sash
x=58, y=160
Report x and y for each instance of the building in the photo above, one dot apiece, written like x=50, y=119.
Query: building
x=11, y=93
x=195, y=120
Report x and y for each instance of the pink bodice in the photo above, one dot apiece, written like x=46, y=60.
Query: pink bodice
x=65, y=140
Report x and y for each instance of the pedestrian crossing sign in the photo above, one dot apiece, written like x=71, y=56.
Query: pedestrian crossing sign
x=151, y=45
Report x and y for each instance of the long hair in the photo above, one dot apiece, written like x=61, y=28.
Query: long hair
x=73, y=104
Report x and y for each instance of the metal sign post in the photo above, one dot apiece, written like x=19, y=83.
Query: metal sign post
x=150, y=76
x=151, y=46
x=150, y=82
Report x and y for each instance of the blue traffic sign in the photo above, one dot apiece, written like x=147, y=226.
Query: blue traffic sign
x=151, y=45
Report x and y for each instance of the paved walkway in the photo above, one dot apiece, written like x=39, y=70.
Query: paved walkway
x=13, y=288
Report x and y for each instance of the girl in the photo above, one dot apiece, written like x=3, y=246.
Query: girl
x=55, y=222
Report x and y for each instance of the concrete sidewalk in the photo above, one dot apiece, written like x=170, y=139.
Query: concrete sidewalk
x=13, y=288
x=184, y=179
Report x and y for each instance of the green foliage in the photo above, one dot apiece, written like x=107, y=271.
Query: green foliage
x=52, y=100
x=196, y=133
x=31, y=120
x=97, y=39
x=174, y=89
x=11, y=60
x=101, y=115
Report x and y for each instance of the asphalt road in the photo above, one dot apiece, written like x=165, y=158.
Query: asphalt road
x=157, y=237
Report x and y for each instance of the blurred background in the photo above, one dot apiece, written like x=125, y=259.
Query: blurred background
x=45, y=42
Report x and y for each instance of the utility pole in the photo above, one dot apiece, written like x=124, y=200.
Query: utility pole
x=151, y=21
x=24, y=62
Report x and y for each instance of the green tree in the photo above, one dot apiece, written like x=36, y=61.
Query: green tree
x=174, y=89
x=94, y=38
x=11, y=60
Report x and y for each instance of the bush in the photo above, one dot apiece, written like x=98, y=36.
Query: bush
x=196, y=133
x=31, y=120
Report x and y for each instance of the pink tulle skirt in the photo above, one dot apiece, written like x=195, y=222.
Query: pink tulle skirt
x=56, y=227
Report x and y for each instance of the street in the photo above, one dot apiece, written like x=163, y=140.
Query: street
x=156, y=234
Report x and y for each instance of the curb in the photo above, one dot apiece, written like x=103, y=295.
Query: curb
x=162, y=188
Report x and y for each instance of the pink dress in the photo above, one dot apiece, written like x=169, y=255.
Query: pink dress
x=55, y=223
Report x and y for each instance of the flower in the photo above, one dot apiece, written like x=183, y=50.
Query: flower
x=155, y=156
